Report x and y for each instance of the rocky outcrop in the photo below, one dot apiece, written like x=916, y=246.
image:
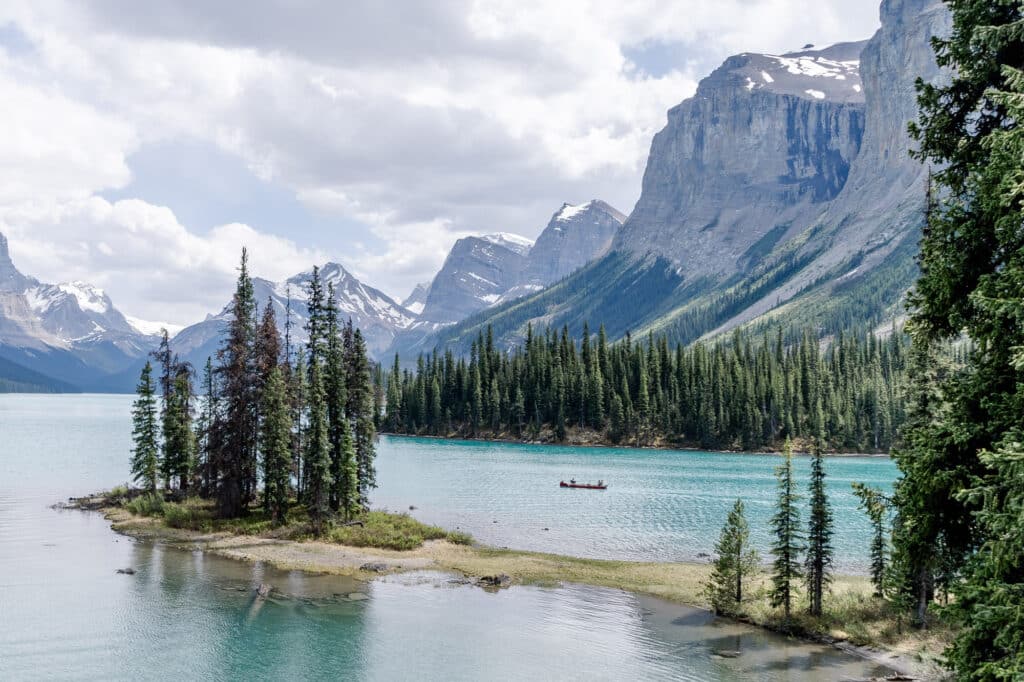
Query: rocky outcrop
x=750, y=160
x=574, y=236
x=475, y=275
x=415, y=301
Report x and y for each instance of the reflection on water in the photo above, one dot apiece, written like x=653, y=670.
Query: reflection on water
x=67, y=613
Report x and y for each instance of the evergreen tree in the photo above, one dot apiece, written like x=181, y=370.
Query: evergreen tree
x=818, y=565
x=318, y=453
x=873, y=502
x=972, y=279
x=735, y=562
x=359, y=409
x=179, y=459
x=236, y=451
x=146, y=449
x=275, y=446
x=205, y=434
x=788, y=542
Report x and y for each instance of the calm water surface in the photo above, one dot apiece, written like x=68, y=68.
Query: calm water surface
x=68, y=615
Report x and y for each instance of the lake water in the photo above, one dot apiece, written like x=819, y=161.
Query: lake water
x=67, y=614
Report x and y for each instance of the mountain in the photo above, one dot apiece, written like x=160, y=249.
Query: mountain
x=377, y=315
x=415, y=301
x=476, y=273
x=749, y=161
x=781, y=194
x=575, y=236
x=70, y=334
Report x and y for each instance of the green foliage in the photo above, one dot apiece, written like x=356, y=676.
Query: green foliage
x=818, y=564
x=391, y=531
x=185, y=515
x=875, y=504
x=146, y=448
x=147, y=504
x=735, y=562
x=958, y=517
x=275, y=446
x=787, y=543
x=990, y=601
x=750, y=393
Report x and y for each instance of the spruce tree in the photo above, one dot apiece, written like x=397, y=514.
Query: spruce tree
x=874, y=503
x=180, y=443
x=146, y=448
x=318, y=453
x=818, y=564
x=972, y=278
x=735, y=562
x=788, y=542
x=275, y=445
x=236, y=447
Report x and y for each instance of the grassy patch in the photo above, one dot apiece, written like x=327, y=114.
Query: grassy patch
x=147, y=504
x=386, y=531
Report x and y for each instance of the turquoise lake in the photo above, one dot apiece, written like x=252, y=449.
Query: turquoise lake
x=67, y=614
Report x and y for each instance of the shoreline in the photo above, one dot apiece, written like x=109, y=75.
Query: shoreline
x=493, y=568
x=666, y=447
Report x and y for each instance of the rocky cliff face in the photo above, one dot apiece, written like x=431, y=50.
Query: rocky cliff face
x=575, y=236
x=750, y=160
x=475, y=275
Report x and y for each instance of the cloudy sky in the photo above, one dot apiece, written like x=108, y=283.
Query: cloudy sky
x=145, y=142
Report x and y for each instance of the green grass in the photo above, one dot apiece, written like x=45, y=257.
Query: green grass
x=391, y=531
x=380, y=529
x=147, y=504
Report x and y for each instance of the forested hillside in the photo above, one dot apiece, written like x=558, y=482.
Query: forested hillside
x=748, y=393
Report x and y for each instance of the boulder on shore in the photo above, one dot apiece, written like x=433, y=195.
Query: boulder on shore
x=374, y=567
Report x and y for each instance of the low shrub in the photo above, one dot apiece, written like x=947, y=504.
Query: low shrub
x=386, y=531
x=187, y=514
x=148, y=504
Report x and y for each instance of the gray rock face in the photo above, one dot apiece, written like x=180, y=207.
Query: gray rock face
x=483, y=271
x=750, y=160
x=415, y=301
x=475, y=275
x=574, y=236
x=375, y=313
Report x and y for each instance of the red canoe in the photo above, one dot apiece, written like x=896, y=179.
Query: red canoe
x=600, y=485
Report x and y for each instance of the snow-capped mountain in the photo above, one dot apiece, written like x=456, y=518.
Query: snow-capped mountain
x=415, y=301
x=376, y=314
x=71, y=331
x=575, y=236
x=475, y=275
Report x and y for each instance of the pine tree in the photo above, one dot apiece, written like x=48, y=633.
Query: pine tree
x=318, y=453
x=146, y=449
x=180, y=445
x=205, y=433
x=275, y=446
x=735, y=562
x=972, y=276
x=237, y=427
x=359, y=410
x=874, y=503
x=788, y=542
x=819, y=535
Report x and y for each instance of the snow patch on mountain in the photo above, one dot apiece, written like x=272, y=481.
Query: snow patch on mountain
x=153, y=328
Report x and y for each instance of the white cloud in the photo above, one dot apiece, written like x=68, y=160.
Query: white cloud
x=151, y=266
x=421, y=121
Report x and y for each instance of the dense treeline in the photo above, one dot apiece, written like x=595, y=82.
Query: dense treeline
x=271, y=424
x=746, y=393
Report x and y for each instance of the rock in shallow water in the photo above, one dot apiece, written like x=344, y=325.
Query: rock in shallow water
x=126, y=571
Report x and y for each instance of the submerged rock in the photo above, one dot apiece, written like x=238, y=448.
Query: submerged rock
x=727, y=653
x=500, y=580
x=263, y=590
x=358, y=596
